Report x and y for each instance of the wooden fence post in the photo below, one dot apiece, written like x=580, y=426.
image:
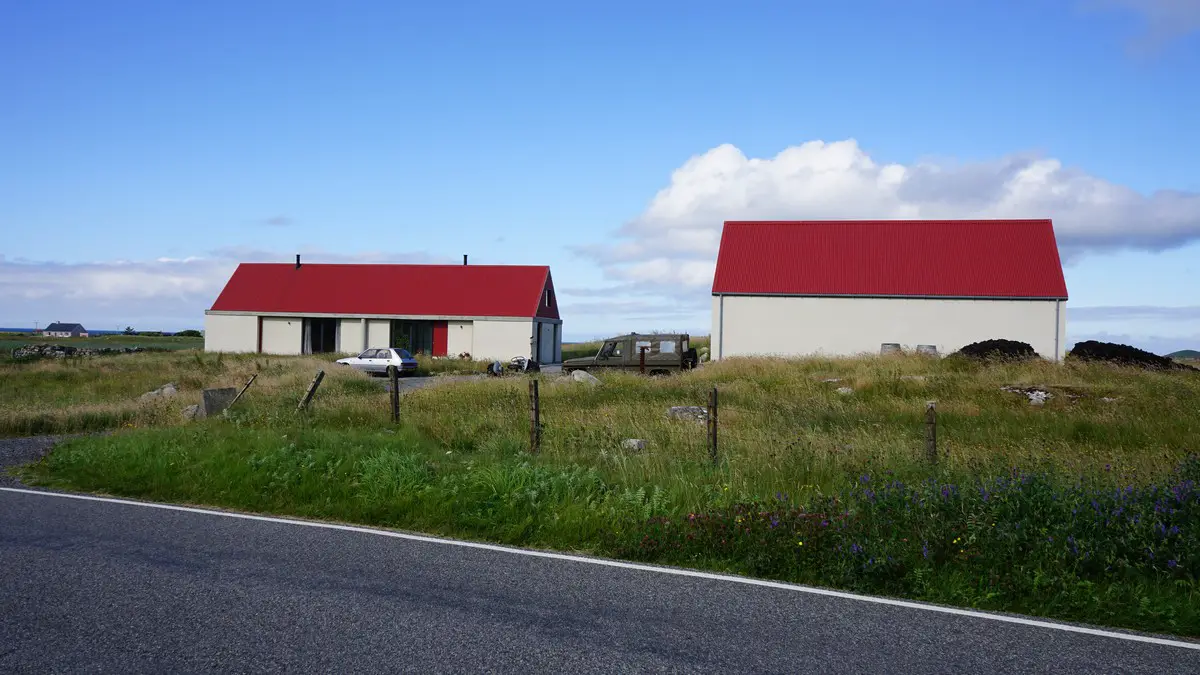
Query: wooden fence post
x=535, y=422
x=642, y=360
x=394, y=374
x=712, y=426
x=312, y=389
x=239, y=394
x=931, y=453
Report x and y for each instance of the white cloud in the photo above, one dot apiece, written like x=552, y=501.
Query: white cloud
x=673, y=244
x=166, y=293
x=1163, y=20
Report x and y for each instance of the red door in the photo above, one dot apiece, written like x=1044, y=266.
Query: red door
x=441, y=334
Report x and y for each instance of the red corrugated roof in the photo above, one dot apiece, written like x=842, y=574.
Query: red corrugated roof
x=418, y=290
x=942, y=258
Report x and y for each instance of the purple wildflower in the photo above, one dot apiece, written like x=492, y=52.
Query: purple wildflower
x=1171, y=564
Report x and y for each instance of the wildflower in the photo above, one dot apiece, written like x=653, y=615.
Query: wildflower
x=799, y=543
x=1171, y=564
x=925, y=550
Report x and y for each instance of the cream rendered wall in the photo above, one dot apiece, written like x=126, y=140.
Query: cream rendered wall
x=350, y=336
x=460, y=337
x=379, y=333
x=793, y=326
x=230, y=333
x=502, y=340
x=282, y=334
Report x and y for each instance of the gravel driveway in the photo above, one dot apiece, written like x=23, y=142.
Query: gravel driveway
x=18, y=451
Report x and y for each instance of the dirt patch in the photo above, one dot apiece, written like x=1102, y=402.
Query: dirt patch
x=1006, y=350
x=1124, y=355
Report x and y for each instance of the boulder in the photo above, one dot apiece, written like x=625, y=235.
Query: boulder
x=193, y=412
x=217, y=400
x=634, y=444
x=845, y=391
x=1035, y=395
x=166, y=391
x=584, y=377
x=693, y=413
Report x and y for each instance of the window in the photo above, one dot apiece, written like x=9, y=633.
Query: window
x=404, y=353
x=549, y=296
x=666, y=347
x=609, y=349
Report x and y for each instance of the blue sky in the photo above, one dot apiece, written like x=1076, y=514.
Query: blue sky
x=146, y=147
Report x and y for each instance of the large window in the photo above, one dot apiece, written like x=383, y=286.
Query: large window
x=320, y=336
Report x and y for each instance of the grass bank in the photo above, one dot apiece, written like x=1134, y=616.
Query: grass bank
x=1084, y=508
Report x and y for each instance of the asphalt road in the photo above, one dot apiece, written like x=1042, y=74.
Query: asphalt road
x=90, y=586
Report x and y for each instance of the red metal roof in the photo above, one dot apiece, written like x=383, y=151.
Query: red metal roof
x=414, y=290
x=939, y=258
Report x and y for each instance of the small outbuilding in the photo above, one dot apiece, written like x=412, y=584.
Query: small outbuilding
x=843, y=288
x=64, y=330
x=487, y=311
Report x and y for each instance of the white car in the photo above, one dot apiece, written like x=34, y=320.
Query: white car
x=376, y=361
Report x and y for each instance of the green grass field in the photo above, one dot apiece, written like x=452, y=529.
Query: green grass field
x=1085, y=508
x=10, y=341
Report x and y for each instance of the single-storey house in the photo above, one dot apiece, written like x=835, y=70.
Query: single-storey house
x=488, y=311
x=841, y=288
x=64, y=330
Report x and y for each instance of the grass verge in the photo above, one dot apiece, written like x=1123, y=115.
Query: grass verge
x=1085, y=508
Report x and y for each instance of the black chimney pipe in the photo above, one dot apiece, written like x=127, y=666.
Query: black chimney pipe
x=297, y=261
x=464, y=259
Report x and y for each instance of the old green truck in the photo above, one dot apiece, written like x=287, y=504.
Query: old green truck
x=658, y=354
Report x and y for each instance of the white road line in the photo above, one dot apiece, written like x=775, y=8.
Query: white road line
x=632, y=566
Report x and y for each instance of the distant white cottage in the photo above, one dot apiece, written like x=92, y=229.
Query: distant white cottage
x=64, y=330
x=841, y=288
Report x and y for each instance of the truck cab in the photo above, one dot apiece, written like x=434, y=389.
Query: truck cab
x=657, y=354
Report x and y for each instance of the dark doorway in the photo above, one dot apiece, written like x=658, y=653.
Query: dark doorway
x=415, y=336
x=320, y=336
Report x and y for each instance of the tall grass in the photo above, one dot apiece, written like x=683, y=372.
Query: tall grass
x=1104, y=463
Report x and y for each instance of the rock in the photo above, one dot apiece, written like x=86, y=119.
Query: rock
x=635, y=444
x=193, y=412
x=166, y=391
x=58, y=351
x=217, y=400
x=913, y=378
x=845, y=391
x=584, y=377
x=1109, y=399
x=830, y=380
x=694, y=413
x=1036, y=396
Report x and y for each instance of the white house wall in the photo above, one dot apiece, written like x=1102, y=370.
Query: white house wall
x=502, y=340
x=351, y=336
x=460, y=337
x=230, y=333
x=795, y=326
x=282, y=335
x=379, y=333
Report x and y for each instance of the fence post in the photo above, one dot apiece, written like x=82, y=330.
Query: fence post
x=535, y=422
x=312, y=389
x=394, y=375
x=931, y=453
x=239, y=394
x=642, y=360
x=712, y=426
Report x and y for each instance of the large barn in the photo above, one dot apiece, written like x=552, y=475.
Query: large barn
x=487, y=311
x=842, y=288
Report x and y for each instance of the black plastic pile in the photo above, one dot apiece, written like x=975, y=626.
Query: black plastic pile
x=1007, y=350
x=1124, y=355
